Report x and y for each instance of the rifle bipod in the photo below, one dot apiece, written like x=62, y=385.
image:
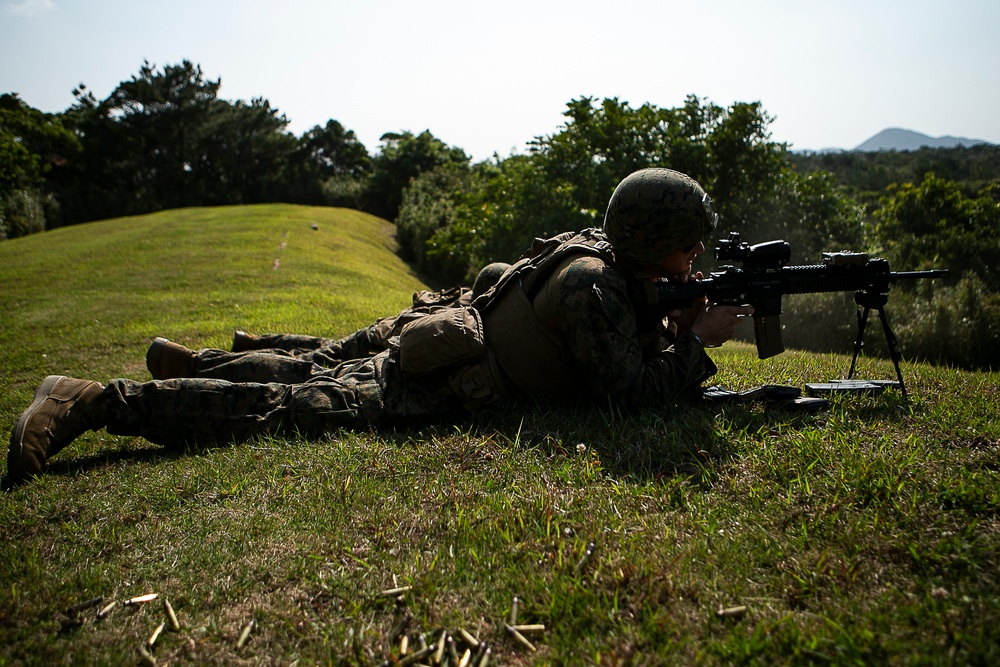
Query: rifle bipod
x=868, y=301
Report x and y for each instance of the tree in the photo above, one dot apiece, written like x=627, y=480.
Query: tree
x=246, y=155
x=164, y=139
x=728, y=151
x=744, y=167
x=334, y=151
x=401, y=159
x=429, y=204
x=32, y=145
x=936, y=224
x=599, y=145
x=331, y=166
x=504, y=207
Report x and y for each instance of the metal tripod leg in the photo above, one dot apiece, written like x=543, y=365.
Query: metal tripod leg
x=869, y=301
x=859, y=342
x=894, y=353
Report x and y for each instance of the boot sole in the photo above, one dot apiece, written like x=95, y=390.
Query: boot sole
x=17, y=437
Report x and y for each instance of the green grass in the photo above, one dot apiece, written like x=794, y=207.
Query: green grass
x=864, y=534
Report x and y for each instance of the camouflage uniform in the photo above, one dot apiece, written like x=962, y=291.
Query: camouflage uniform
x=595, y=344
x=178, y=412
x=363, y=343
x=558, y=327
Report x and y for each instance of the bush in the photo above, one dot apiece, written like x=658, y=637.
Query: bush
x=345, y=191
x=428, y=205
x=22, y=212
x=957, y=325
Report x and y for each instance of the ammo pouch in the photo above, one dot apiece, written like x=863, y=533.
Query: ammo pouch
x=441, y=340
x=453, y=296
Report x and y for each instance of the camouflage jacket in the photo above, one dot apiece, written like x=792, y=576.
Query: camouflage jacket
x=562, y=326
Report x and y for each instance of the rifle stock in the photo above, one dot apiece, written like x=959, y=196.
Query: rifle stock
x=763, y=279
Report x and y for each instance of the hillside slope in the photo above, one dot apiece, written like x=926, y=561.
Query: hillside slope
x=105, y=289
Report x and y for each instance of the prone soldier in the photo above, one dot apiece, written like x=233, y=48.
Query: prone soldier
x=557, y=326
x=292, y=358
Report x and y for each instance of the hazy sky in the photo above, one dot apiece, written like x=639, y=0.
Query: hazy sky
x=488, y=77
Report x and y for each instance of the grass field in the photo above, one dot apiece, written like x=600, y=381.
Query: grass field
x=699, y=535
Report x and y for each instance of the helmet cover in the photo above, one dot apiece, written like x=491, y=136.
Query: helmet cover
x=655, y=212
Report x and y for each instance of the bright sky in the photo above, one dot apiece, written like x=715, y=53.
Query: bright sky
x=490, y=76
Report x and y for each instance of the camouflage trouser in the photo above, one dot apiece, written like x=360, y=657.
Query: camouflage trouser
x=369, y=392
x=366, y=342
x=325, y=352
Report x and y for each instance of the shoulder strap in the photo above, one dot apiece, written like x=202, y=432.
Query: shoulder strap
x=542, y=258
x=534, y=358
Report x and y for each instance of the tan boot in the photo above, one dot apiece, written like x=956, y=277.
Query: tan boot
x=167, y=360
x=62, y=410
x=243, y=342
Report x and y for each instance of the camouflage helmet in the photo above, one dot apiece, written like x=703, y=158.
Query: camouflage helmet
x=488, y=277
x=655, y=212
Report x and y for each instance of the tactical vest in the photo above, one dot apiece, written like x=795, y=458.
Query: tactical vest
x=532, y=356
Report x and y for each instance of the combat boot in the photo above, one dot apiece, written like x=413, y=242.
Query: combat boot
x=244, y=342
x=167, y=360
x=62, y=410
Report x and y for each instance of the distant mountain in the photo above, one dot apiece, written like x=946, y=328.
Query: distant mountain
x=897, y=139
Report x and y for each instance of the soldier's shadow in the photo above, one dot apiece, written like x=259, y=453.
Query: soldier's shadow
x=71, y=466
x=690, y=438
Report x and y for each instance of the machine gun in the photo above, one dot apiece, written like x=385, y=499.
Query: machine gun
x=762, y=279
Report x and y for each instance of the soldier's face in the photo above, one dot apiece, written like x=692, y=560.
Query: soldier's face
x=678, y=263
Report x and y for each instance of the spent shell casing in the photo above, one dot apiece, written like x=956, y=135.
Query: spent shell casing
x=87, y=604
x=465, y=659
x=404, y=645
x=731, y=612
x=467, y=637
x=147, y=657
x=417, y=656
x=439, y=654
x=485, y=660
x=245, y=635
x=452, y=651
x=393, y=592
x=139, y=599
x=519, y=638
x=513, y=610
x=171, y=616
x=107, y=609
x=530, y=628
x=156, y=635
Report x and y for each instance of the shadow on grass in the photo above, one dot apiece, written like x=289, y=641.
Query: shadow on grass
x=74, y=465
x=685, y=439
x=689, y=438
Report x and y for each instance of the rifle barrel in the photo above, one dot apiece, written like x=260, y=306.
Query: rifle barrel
x=910, y=275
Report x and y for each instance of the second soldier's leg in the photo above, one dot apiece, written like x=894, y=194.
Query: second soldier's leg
x=244, y=342
x=261, y=366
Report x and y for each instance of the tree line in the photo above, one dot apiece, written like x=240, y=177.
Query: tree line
x=165, y=139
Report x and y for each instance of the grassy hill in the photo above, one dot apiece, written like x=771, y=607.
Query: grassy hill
x=865, y=534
